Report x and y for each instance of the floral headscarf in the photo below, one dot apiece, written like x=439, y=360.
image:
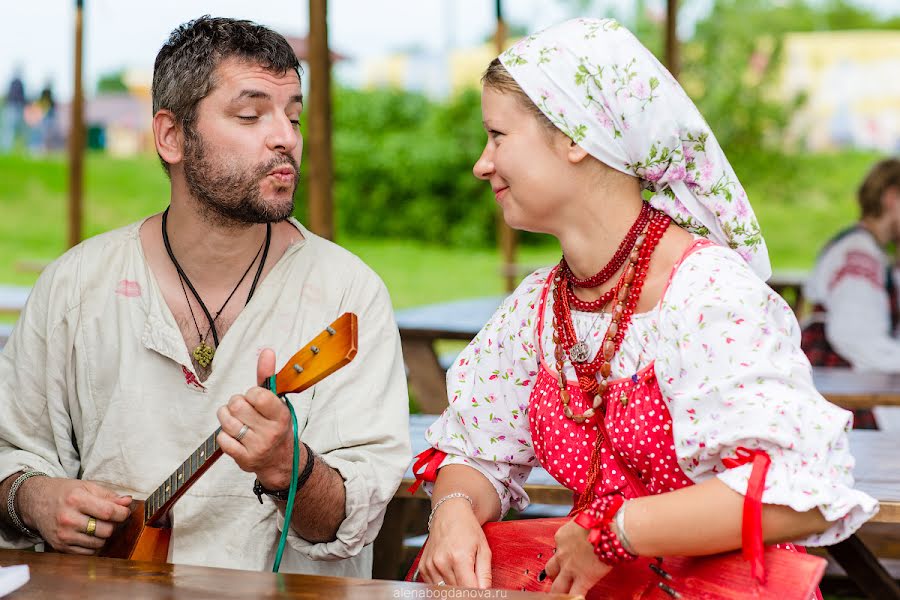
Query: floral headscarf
x=601, y=87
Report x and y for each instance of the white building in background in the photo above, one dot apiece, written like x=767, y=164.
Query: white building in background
x=852, y=85
x=437, y=75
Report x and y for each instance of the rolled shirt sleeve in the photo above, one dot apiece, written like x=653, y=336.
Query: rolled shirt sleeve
x=731, y=367
x=362, y=429
x=34, y=433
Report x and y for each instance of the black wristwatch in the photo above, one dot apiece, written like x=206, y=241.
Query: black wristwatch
x=282, y=495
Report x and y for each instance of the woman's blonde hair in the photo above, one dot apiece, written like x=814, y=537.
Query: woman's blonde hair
x=497, y=78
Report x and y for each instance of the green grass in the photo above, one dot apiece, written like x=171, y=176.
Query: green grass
x=33, y=205
x=800, y=202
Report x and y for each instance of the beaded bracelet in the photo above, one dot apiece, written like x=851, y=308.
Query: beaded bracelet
x=597, y=520
x=11, y=502
x=444, y=499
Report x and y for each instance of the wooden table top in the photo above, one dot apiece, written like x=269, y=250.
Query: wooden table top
x=77, y=577
x=852, y=389
x=877, y=471
x=12, y=298
x=456, y=320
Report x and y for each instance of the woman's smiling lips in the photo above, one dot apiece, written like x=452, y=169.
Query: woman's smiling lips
x=500, y=192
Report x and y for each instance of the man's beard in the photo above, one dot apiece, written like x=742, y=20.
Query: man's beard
x=229, y=192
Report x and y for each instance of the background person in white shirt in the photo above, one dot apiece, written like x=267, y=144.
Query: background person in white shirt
x=129, y=350
x=852, y=286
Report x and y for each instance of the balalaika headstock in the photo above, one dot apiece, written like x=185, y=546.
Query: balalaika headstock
x=326, y=353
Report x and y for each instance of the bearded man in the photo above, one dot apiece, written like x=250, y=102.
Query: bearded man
x=132, y=344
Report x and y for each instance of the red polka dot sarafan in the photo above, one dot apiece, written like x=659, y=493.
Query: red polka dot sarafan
x=640, y=429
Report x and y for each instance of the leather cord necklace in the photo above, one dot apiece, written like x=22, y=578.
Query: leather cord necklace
x=204, y=353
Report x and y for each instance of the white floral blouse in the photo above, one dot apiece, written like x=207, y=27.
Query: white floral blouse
x=728, y=362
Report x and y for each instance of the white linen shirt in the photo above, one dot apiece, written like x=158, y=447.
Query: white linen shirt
x=849, y=282
x=96, y=383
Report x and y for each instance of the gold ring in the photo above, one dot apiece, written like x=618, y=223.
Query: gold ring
x=242, y=432
x=91, y=526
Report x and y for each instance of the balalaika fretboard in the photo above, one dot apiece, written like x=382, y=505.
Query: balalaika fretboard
x=159, y=502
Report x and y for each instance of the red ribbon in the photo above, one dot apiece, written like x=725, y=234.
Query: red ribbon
x=751, y=527
x=596, y=520
x=430, y=459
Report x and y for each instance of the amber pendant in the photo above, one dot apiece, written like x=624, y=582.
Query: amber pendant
x=203, y=354
x=623, y=398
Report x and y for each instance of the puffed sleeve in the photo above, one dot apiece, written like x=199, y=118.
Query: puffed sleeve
x=729, y=363
x=485, y=424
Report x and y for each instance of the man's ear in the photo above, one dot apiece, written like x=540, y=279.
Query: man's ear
x=576, y=153
x=168, y=136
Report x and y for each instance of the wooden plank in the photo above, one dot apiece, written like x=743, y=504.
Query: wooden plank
x=507, y=237
x=425, y=375
x=851, y=389
x=77, y=134
x=672, y=62
x=321, y=209
x=864, y=569
x=455, y=320
x=84, y=577
x=12, y=299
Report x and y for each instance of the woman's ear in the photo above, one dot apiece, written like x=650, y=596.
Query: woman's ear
x=576, y=153
x=168, y=137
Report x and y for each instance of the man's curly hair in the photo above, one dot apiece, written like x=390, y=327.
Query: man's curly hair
x=184, y=72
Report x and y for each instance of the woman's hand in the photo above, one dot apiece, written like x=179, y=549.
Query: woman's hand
x=457, y=552
x=574, y=568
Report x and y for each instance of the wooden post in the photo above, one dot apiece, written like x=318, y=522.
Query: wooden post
x=321, y=208
x=672, y=37
x=505, y=234
x=76, y=135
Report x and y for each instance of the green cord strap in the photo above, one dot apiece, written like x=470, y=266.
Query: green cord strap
x=295, y=469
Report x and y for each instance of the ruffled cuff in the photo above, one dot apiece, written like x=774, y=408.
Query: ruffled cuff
x=846, y=508
x=508, y=499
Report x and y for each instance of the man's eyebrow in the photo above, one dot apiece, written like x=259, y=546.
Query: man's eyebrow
x=261, y=95
x=252, y=94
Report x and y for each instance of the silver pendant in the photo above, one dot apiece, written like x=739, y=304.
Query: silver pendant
x=579, y=352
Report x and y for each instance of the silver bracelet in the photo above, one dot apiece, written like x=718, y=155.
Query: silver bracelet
x=619, y=520
x=444, y=499
x=11, y=502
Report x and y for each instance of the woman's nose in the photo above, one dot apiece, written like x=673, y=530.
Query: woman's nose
x=484, y=166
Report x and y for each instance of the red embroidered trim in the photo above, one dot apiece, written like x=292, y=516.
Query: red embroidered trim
x=859, y=264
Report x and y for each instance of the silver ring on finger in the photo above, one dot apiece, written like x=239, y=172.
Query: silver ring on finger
x=442, y=582
x=242, y=432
